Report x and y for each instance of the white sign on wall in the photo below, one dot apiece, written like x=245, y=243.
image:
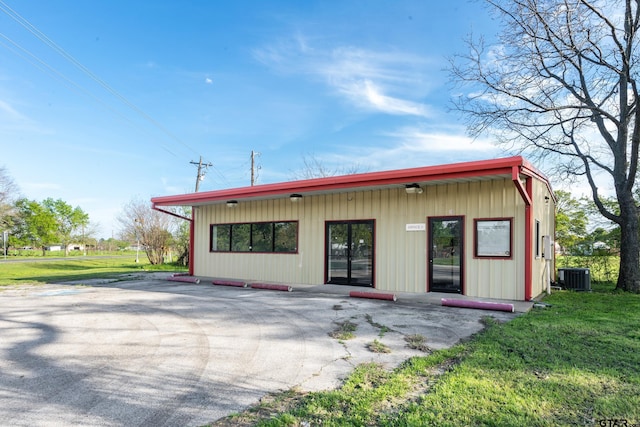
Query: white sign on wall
x=416, y=227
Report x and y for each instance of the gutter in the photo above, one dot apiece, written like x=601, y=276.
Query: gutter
x=154, y=207
x=515, y=177
x=191, y=230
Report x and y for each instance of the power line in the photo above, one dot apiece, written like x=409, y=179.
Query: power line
x=46, y=68
x=46, y=40
x=7, y=10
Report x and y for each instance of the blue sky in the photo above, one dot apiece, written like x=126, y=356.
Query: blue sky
x=135, y=91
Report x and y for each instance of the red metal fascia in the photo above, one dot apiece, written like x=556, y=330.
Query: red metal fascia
x=395, y=177
x=528, y=170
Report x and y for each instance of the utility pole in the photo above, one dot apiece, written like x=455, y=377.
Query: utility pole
x=254, y=175
x=202, y=171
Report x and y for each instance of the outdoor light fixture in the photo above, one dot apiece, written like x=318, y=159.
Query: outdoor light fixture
x=413, y=189
x=232, y=203
x=295, y=197
x=546, y=199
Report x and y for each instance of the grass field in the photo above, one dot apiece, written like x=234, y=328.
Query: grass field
x=45, y=271
x=574, y=363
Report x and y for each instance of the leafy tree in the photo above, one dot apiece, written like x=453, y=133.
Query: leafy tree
x=35, y=225
x=604, y=231
x=151, y=228
x=111, y=244
x=571, y=221
x=70, y=222
x=561, y=84
x=605, y=241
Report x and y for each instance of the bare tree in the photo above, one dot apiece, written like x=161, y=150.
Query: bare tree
x=152, y=229
x=561, y=84
x=8, y=193
x=315, y=168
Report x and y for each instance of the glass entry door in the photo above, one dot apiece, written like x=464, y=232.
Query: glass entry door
x=445, y=254
x=349, y=257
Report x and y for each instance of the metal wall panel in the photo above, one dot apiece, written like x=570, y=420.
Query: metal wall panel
x=400, y=257
x=495, y=278
x=543, y=211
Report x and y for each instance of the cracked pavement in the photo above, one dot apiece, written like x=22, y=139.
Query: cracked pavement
x=149, y=352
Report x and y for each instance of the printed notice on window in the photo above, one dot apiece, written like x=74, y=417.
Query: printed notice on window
x=493, y=238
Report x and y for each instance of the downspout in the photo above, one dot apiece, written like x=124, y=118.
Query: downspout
x=191, y=229
x=192, y=234
x=525, y=193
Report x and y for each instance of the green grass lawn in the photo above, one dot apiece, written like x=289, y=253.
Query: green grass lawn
x=40, y=272
x=574, y=363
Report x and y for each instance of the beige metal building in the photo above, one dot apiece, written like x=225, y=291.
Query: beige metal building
x=481, y=229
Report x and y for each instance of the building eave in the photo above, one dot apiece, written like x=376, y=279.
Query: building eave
x=428, y=175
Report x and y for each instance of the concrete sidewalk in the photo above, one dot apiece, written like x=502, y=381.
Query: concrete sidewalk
x=430, y=298
x=149, y=352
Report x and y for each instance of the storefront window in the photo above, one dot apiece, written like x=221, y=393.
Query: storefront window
x=278, y=237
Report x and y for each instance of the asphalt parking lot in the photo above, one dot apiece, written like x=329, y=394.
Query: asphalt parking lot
x=149, y=352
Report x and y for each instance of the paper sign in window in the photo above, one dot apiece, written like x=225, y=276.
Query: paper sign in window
x=493, y=238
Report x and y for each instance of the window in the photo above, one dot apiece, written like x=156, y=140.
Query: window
x=285, y=236
x=493, y=238
x=240, y=237
x=278, y=237
x=220, y=237
x=262, y=237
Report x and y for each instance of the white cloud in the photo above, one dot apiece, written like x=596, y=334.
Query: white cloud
x=415, y=148
x=208, y=81
x=302, y=43
x=417, y=140
x=387, y=82
x=15, y=123
x=10, y=113
x=368, y=95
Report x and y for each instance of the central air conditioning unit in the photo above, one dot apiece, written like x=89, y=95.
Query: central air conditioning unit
x=577, y=279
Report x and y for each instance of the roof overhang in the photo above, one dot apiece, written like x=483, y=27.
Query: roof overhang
x=503, y=168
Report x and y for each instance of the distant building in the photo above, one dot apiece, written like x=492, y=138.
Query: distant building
x=135, y=247
x=70, y=247
x=475, y=228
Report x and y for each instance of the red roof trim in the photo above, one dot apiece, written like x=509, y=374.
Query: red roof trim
x=355, y=181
